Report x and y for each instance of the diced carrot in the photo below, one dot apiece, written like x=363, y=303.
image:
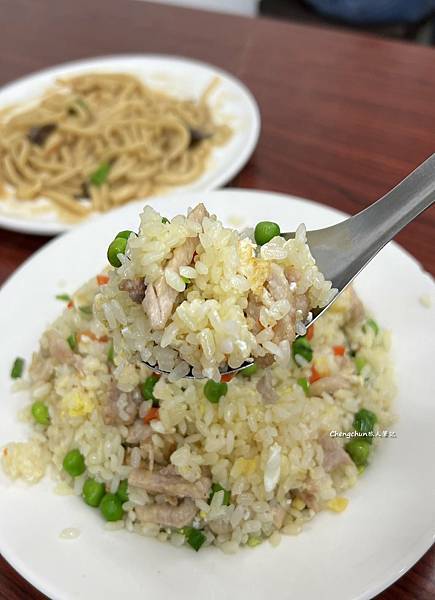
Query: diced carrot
x=151, y=415
x=91, y=335
x=339, y=350
x=226, y=378
x=102, y=279
x=70, y=304
x=315, y=375
x=310, y=332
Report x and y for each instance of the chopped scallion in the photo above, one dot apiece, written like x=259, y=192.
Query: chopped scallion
x=216, y=487
x=303, y=382
x=302, y=347
x=360, y=363
x=63, y=297
x=194, y=537
x=99, y=176
x=72, y=342
x=371, y=323
x=17, y=368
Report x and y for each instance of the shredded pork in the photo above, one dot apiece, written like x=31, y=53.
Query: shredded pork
x=59, y=348
x=138, y=432
x=160, y=297
x=168, y=515
x=114, y=413
x=265, y=387
x=279, y=288
x=278, y=515
x=159, y=482
x=357, y=312
x=333, y=453
x=328, y=385
x=135, y=289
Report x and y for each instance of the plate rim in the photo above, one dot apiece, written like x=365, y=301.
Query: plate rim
x=27, y=226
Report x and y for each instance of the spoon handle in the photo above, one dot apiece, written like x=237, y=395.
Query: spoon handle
x=358, y=239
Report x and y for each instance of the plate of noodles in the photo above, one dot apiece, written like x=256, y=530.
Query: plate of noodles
x=308, y=475
x=83, y=138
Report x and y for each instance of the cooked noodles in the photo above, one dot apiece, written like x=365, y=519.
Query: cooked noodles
x=97, y=141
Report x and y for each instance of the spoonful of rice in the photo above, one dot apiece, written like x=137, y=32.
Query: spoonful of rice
x=192, y=298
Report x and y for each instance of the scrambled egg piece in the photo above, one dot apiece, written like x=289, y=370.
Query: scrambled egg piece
x=322, y=365
x=77, y=404
x=255, y=269
x=244, y=466
x=298, y=504
x=338, y=504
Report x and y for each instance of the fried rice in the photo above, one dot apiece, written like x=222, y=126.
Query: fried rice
x=193, y=295
x=263, y=460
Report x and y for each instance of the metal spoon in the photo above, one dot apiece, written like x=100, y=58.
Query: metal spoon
x=343, y=250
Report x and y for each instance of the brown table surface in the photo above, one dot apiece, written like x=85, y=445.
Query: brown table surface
x=344, y=118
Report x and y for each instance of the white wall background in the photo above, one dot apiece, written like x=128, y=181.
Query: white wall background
x=237, y=7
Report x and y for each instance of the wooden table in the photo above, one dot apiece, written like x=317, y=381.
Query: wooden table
x=345, y=117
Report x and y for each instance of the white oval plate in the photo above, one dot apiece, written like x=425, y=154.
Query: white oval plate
x=390, y=520
x=231, y=102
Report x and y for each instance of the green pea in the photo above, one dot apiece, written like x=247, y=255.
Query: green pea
x=213, y=390
x=364, y=422
x=122, y=491
x=303, y=382
x=74, y=463
x=124, y=234
x=118, y=246
x=147, y=389
x=302, y=347
x=265, y=231
x=40, y=413
x=93, y=492
x=360, y=363
x=111, y=507
x=359, y=451
x=249, y=371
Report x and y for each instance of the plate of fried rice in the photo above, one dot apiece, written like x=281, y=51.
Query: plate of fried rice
x=307, y=474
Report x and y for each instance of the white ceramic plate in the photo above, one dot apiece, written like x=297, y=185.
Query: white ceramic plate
x=231, y=103
x=390, y=520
